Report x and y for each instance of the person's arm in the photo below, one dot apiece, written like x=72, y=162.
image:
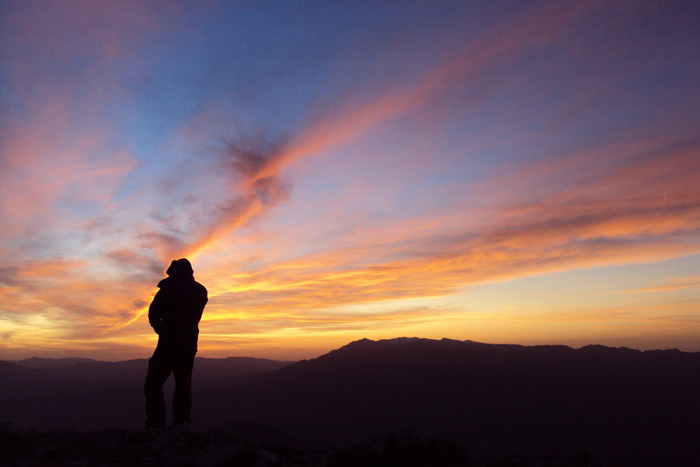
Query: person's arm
x=156, y=311
x=203, y=299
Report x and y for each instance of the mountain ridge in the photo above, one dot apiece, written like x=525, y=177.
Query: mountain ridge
x=36, y=362
x=485, y=395
x=625, y=405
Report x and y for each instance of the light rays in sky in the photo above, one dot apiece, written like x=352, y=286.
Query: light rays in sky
x=501, y=172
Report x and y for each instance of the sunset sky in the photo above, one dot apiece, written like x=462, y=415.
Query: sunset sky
x=504, y=172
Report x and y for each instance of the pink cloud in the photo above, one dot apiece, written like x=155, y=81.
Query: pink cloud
x=48, y=162
x=604, y=216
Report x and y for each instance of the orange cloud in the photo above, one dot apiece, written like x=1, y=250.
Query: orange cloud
x=592, y=222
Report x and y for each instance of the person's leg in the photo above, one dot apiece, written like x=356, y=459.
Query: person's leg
x=153, y=389
x=182, y=398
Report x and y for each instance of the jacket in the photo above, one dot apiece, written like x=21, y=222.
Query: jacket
x=176, y=311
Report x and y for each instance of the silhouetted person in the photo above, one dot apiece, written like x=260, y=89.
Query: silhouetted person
x=174, y=314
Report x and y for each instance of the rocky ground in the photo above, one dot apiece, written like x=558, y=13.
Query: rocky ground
x=181, y=448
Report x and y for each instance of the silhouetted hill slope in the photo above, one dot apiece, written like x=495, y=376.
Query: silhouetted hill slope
x=39, y=362
x=626, y=406
x=50, y=394
x=615, y=403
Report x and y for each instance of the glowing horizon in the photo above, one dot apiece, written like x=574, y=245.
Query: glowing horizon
x=511, y=173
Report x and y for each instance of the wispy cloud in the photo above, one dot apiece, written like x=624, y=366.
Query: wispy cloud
x=671, y=284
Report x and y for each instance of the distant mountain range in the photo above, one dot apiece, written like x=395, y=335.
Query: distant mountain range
x=623, y=405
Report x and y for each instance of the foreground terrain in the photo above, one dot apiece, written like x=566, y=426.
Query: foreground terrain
x=172, y=448
x=496, y=402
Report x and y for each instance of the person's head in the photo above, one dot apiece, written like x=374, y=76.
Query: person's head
x=180, y=268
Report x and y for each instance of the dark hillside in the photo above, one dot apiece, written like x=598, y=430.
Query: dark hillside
x=616, y=403
x=83, y=394
x=621, y=405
